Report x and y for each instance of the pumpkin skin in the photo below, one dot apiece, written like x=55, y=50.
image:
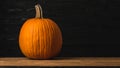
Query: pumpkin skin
x=40, y=38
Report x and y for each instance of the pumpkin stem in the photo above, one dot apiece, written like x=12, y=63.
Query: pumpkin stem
x=39, y=13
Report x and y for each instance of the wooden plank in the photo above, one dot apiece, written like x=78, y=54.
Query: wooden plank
x=61, y=61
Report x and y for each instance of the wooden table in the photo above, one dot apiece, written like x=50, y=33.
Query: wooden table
x=61, y=61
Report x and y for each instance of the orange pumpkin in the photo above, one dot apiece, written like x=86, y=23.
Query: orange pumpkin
x=40, y=38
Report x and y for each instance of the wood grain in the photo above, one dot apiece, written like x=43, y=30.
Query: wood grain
x=61, y=61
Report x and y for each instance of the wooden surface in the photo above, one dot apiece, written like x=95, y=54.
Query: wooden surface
x=61, y=61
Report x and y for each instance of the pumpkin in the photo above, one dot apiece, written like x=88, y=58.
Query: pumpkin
x=40, y=38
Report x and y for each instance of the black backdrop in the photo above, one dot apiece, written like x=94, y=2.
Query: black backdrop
x=89, y=27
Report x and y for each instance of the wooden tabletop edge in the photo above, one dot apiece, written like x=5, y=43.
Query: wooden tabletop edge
x=61, y=61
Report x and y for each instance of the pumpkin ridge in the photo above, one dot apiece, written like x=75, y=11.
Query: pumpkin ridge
x=43, y=43
x=28, y=40
x=40, y=42
x=22, y=40
x=48, y=39
x=33, y=38
x=29, y=51
x=51, y=36
x=58, y=33
x=38, y=39
x=54, y=32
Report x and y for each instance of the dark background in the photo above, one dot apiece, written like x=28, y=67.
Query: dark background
x=89, y=27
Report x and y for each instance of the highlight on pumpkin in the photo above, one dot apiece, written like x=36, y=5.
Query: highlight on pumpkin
x=40, y=38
